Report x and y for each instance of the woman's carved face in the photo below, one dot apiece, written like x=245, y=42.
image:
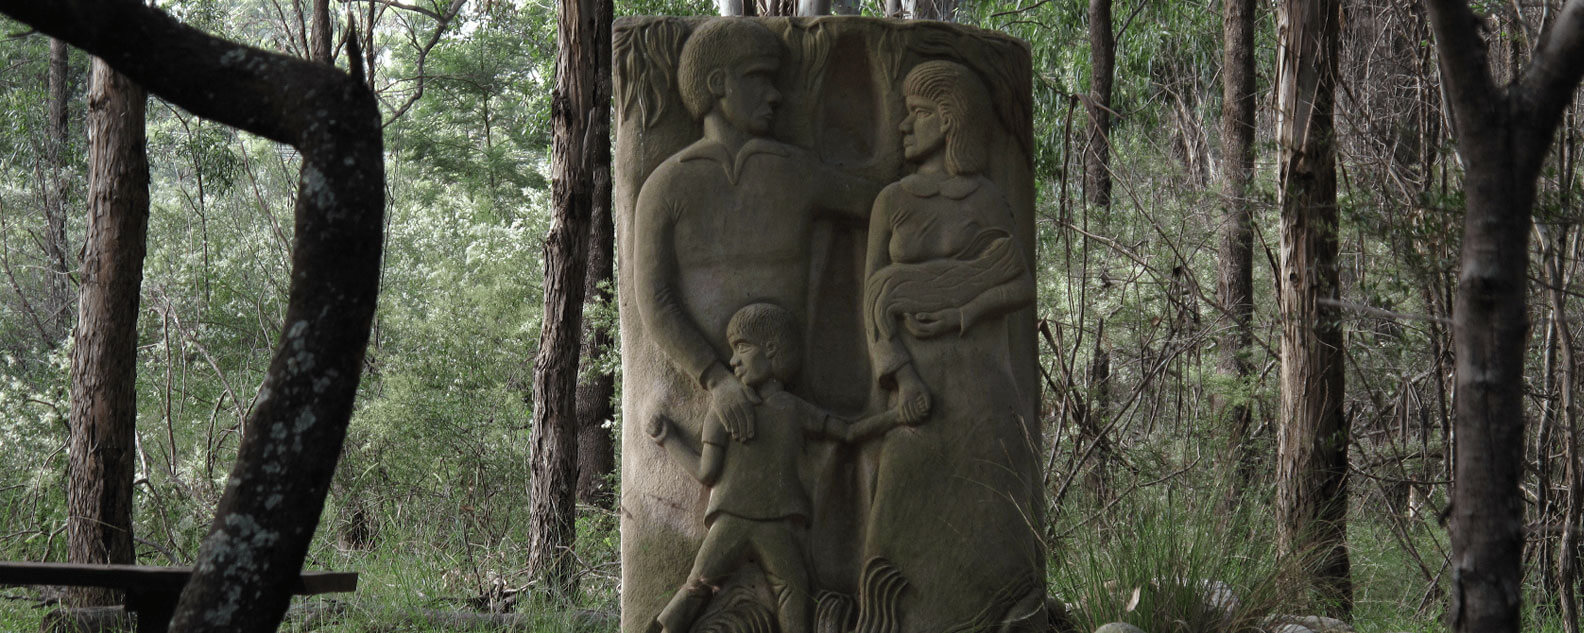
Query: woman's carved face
x=923, y=131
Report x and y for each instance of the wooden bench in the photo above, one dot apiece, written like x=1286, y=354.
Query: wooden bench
x=151, y=592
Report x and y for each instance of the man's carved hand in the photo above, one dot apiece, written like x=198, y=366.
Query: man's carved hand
x=732, y=403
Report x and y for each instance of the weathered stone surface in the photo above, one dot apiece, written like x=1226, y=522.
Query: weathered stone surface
x=825, y=236
x=1118, y=627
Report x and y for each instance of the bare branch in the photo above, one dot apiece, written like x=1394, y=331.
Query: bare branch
x=1465, y=68
x=1554, y=72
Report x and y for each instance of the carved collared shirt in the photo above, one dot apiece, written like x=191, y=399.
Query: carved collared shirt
x=716, y=231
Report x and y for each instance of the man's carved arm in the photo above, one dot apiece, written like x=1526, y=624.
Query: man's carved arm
x=660, y=305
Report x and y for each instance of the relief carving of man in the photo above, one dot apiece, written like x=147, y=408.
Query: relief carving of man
x=727, y=221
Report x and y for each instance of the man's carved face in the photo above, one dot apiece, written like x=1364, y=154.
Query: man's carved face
x=747, y=95
x=923, y=132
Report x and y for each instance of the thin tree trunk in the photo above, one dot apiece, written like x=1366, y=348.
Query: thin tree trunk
x=596, y=453
x=1102, y=51
x=1235, y=287
x=104, y=356
x=737, y=7
x=59, y=305
x=943, y=10
x=319, y=37
x=1567, y=558
x=812, y=8
x=584, y=37
x=1503, y=134
x=1311, y=476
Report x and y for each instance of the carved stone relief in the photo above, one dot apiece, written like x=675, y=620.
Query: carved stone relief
x=825, y=230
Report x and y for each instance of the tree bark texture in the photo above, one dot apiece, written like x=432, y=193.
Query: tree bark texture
x=943, y=10
x=1235, y=285
x=319, y=33
x=275, y=494
x=59, y=313
x=1503, y=134
x=104, y=357
x=1311, y=477
x=1102, y=52
x=1566, y=572
x=596, y=452
x=596, y=444
x=583, y=44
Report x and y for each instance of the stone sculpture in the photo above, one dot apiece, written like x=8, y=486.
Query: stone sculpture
x=757, y=503
x=823, y=220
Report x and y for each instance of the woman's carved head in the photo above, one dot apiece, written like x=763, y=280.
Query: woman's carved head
x=963, y=106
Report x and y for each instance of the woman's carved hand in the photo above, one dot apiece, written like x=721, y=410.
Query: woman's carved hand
x=933, y=324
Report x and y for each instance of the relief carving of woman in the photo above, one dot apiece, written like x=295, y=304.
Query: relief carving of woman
x=955, y=496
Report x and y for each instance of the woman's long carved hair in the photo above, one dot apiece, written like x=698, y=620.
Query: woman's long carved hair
x=964, y=109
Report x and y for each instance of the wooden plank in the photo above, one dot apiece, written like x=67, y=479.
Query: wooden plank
x=148, y=578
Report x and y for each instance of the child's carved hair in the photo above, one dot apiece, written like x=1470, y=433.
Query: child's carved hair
x=767, y=324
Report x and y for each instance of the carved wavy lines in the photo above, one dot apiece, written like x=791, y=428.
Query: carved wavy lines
x=647, y=56
x=834, y=613
x=742, y=612
x=999, y=614
x=880, y=597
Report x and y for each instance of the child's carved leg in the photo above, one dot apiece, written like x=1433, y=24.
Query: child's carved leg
x=721, y=553
x=781, y=553
x=678, y=615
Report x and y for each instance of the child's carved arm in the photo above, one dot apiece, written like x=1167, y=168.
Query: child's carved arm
x=704, y=467
x=841, y=430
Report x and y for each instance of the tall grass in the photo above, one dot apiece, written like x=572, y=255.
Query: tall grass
x=1167, y=565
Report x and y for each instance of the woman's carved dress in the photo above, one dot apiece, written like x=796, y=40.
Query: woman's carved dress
x=952, y=508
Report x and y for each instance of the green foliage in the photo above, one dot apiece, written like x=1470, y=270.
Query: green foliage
x=1169, y=563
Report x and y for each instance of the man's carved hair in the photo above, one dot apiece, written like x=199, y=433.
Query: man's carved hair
x=764, y=324
x=718, y=45
x=964, y=109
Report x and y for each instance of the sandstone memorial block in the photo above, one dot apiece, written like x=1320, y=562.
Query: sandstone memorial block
x=826, y=238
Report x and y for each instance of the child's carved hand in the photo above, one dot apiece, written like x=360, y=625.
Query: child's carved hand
x=658, y=428
x=915, y=408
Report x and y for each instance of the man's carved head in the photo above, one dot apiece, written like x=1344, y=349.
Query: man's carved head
x=763, y=334
x=731, y=63
x=965, y=112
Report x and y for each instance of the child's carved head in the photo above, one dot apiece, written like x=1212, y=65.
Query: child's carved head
x=764, y=342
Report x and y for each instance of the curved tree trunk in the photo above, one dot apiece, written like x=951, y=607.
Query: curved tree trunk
x=104, y=356
x=275, y=493
x=1311, y=475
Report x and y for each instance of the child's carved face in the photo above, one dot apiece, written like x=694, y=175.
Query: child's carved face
x=751, y=361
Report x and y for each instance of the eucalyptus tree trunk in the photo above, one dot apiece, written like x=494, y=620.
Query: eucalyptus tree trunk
x=1102, y=53
x=596, y=445
x=1312, y=467
x=1503, y=133
x=104, y=355
x=943, y=10
x=319, y=34
x=275, y=494
x=58, y=307
x=1235, y=287
x=583, y=45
